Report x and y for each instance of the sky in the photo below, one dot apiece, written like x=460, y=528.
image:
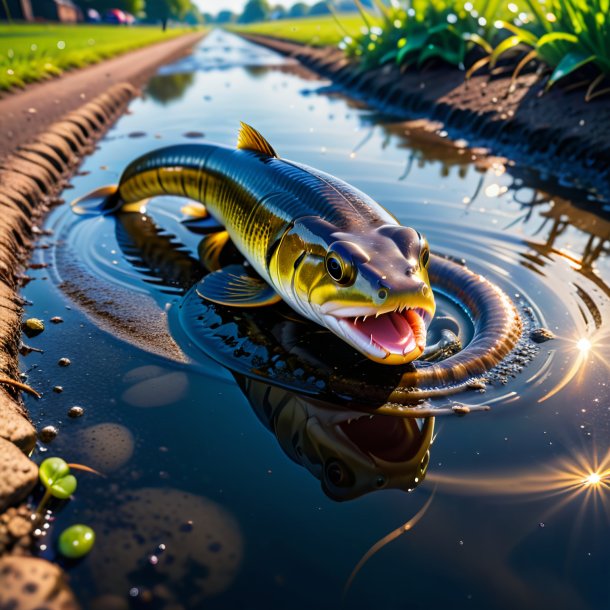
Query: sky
x=237, y=6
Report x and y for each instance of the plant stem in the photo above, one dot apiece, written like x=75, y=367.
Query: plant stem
x=43, y=502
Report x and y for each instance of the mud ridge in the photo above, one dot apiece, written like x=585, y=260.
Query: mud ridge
x=556, y=133
x=30, y=182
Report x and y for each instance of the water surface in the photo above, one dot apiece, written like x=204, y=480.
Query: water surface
x=190, y=465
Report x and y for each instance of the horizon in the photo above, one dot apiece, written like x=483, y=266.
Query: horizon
x=237, y=6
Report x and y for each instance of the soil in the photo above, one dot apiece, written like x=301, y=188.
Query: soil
x=45, y=131
x=555, y=132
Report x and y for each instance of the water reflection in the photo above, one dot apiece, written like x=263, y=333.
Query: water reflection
x=352, y=453
x=169, y=87
x=559, y=213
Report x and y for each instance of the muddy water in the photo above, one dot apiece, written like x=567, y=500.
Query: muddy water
x=202, y=505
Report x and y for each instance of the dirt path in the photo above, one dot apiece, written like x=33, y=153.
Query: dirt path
x=24, y=114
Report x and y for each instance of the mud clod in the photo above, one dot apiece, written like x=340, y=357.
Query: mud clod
x=48, y=434
x=541, y=335
x=76, y=411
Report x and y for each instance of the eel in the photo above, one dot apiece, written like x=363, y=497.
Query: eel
x=328, y=250
x=289, y=221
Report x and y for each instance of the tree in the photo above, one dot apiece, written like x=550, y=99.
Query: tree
x=300, y=9
x=164, y=10
x=320, y=8
x=278, y=12
x=255, y=10
x=226, y=17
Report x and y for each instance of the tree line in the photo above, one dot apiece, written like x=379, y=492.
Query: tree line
x=263, y=10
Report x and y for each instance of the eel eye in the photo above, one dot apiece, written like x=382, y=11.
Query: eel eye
x=341, y=270
x=425, y=256
x=338, y=474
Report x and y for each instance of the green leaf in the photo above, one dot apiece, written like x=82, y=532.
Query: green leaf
x=55, y=475
x=552, y=48
x=472, y=37
x=64, y=487
x=506, y=45
x=415, y=42
x=389, y=56
x=432, y=50
x=570, y=63
x=525, y=35
x=76, y=541
x=51, y=470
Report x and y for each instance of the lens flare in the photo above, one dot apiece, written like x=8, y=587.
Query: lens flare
x=593, y=479
x=582, y=477
x=584, y=351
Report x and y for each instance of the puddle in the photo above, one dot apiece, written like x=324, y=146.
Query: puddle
x=225, y=493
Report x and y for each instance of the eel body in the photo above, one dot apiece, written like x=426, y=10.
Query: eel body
x=328, y=250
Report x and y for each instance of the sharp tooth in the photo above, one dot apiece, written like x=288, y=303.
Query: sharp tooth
x=371, y=343
x=376, y=314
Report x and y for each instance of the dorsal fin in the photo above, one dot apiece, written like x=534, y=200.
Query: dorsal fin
x=249, y=139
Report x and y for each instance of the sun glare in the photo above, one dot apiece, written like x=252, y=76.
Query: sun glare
x=588, y=350
x=593, y=479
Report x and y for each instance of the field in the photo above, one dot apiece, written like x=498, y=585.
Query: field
x=36, y=52
x=317, y=31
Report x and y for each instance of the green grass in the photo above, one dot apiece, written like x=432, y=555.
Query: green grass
x=34, y=52
x=567, y=35
x=316, y=31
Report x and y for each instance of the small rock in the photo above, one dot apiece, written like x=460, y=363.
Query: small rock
x=19, y=526
x=29, y=582
x=33, y=327
x=540, y=335
x=64, y=362
x=58, y=389
x=47, y=434
x=56, y=320
x=76, y=411
x=18, y=475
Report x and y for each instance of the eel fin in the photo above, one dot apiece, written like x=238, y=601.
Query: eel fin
x=250, y=139
x=233, y=286
x=210, y=248
x=195, y=210
x=101, y=201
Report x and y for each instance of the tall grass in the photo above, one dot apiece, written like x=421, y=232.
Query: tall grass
x=568, y=36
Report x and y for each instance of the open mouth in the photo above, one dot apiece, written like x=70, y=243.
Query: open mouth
x=391, y=439
x=398, y=336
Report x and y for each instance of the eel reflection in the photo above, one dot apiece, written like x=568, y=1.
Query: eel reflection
x=352, y=453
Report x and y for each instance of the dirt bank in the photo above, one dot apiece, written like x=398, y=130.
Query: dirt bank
x=556, y=132
x=25, y=113
x=38, y=153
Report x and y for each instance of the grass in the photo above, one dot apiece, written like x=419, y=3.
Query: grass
x=34, y=52
x=568, y=37
x=315, y=31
